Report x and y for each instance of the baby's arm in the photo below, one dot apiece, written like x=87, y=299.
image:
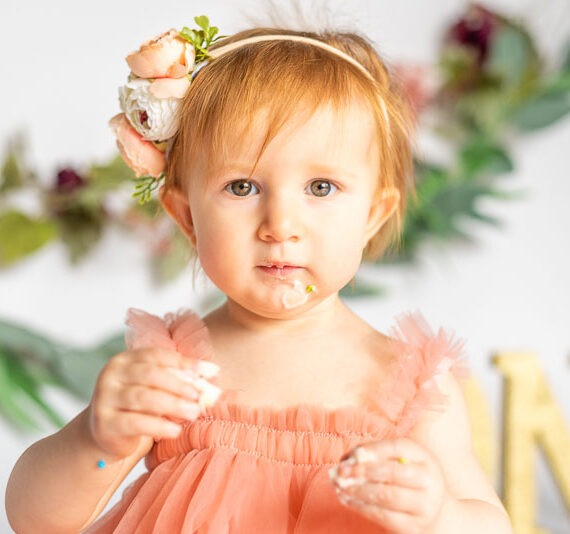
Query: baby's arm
x=428, y=483
x=471, y=505
x=57, y=485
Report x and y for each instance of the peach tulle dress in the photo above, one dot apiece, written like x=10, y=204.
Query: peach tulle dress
x=256, y=470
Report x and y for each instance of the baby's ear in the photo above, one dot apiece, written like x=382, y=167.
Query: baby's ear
x=176, y=205
x=384, y=206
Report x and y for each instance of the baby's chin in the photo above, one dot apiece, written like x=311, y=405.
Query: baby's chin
x=287, y=299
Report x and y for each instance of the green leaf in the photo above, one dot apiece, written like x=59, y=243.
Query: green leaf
x=566, y=60
x=558, y=84
x=29, y=386
x=358, y=289
x=80, y=230
x=541, y=111
x=511, y=54
x=202, y=22
x=145, y=186
x=11, y=175
x=21, y=235
x=27, y=343
x=78, y=368
x=110, y=176
x=483, y=157
x=14, y=172
x=10, y=405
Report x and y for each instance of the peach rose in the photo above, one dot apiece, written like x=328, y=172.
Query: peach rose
x=140, y=155
x=165, y=56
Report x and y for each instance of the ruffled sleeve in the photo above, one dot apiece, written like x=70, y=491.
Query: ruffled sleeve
x=421, y=356
x=183, y=332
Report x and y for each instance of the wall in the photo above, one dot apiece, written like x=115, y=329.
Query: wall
x=509, y=291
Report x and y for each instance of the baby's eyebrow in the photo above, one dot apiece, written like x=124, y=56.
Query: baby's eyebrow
x=235, y=167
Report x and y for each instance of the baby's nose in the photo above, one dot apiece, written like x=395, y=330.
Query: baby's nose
x=281, y=220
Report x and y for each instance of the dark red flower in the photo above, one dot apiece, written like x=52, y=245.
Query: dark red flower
x=475, y=30
x=68, y=180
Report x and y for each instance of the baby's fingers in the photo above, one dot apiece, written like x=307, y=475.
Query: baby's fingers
x=141, y=399
x=386, y=496
x=163, y=378
x=131, y=424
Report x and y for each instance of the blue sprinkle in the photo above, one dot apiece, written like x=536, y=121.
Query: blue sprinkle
x=101, y=464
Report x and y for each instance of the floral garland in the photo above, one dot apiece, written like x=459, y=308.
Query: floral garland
x=492, y=85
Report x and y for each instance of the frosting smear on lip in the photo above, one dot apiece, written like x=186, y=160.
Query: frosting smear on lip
x=297, y=295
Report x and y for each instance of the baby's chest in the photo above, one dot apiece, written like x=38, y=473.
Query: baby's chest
x=325, y=384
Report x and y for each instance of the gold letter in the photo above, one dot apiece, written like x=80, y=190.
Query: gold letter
x=531, y=416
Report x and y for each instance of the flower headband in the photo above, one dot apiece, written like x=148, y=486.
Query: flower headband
x=162, y=70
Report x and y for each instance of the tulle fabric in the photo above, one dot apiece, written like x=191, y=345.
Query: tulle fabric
x=241, y=469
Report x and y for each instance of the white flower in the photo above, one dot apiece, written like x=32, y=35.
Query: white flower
x=156, y=119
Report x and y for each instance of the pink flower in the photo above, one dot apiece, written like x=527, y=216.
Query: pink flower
x=165, y=56
x=475, y=30
x=140, y=155
x=68, y=180
x=418, y=83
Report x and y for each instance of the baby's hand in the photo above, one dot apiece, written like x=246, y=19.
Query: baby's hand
x=147, y=394
x=395, y=483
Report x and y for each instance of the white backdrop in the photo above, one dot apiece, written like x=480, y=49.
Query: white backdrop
x=62, y=63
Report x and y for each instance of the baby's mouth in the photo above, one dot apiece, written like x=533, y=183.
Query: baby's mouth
x=280, y=270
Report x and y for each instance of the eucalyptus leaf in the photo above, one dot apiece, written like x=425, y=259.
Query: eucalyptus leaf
x=483, y=157
x=511, y=55
x=21, y=235
x=27, y=343
x=79, y=368
x=29, y=386
x=541, y=111
x=566, y=60
x=559, y=84
x=30, y=360
x=13, y=405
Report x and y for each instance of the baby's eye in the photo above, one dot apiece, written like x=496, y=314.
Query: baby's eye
x=242, y=188
x=321, y=188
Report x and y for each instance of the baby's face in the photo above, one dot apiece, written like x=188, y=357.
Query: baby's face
x=301, y=219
